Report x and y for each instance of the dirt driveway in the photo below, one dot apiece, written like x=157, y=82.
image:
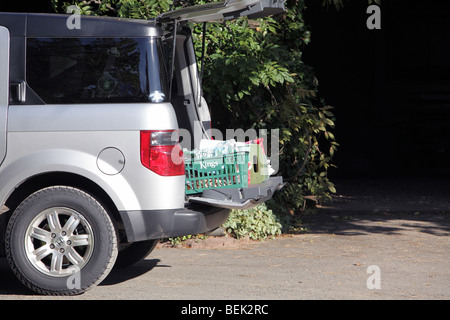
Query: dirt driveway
x=346, y=254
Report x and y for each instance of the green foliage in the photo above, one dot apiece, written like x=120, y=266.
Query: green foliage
x=177, y=241
x=264, y=84
x=258, y=223
x=136, y=9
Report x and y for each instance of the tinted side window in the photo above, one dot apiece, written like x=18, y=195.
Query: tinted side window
x=92, y=70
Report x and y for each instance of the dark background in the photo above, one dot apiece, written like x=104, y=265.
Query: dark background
x=390, y=87
x=29, y=6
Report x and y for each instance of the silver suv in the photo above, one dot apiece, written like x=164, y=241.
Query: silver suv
x=89, y=117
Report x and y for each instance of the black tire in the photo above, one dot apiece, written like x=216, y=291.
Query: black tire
x=135, y=252
x=60, y=241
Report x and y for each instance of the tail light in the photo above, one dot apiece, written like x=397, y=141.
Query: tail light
x=161, y=153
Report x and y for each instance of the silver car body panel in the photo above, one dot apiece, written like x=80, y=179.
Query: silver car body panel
x=91, y=117
x=70, y=138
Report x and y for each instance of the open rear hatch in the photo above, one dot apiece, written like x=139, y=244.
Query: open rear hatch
x=226, y=10
x=240, y=178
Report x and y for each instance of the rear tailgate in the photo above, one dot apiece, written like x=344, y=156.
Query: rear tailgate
x=239, y=198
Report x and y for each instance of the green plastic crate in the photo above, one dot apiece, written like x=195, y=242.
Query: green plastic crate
x=215, y=172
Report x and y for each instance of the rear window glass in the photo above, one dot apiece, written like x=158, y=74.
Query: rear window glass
x=96, y=70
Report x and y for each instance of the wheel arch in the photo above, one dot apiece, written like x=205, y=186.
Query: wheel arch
x=41, y=181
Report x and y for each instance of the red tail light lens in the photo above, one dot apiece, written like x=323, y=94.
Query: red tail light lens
x=161, y=153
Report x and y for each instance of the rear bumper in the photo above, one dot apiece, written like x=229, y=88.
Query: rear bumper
x=205, y=212
x=157, y=224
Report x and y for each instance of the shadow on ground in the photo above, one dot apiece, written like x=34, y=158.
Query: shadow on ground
x=9, y=284
x=388, y=206
x=118, y=275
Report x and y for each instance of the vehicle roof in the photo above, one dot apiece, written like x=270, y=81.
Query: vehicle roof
x=55, y=25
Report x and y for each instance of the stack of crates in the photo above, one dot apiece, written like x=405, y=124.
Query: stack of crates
x=234, y=169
